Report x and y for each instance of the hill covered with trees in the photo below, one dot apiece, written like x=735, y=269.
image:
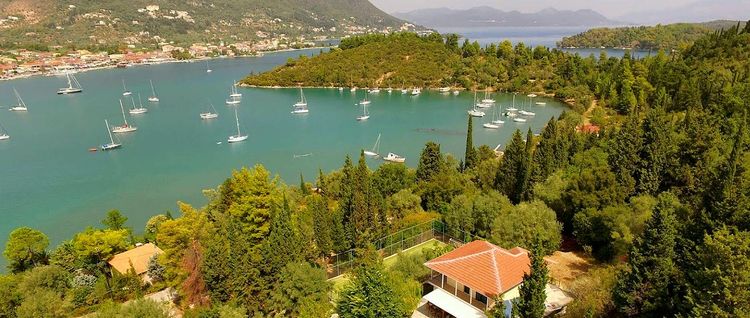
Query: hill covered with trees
x=83, y=23
x=658, y=37
x=660, y=197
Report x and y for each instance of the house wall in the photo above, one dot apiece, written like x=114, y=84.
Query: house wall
x=512, y=294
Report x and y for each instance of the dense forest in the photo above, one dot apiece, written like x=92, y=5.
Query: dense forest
x=660, y=197
x=659, y=37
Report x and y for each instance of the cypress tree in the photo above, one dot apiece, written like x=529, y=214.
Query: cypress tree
x=470, y=155
x=282, y=245
x=430, y=162
x=348, y=183
x=512, y=169
x=544, y=155
x=624, y=153
x=303, y=186
x=363, y=216
x=532, y=294
x=525, y=183
x=647, y=288
x=323, y=225
x=321, y=182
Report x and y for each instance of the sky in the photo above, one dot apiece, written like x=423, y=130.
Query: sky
x=657, y=10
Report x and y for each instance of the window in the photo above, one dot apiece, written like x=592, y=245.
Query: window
x=481, y=298
x=467, y=290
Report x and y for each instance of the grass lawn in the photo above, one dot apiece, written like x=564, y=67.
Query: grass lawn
x=415, y=250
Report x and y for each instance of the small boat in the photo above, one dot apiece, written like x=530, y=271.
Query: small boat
x=3, y=133
x=510, y=114
x=302, y=155
x=519, y=119
x=365, y=115
x=21, y=106
x=137, y=110
x=404, y=91
x=73, y=86
x=526, y=113
x=416, y=91
x=208, y=69
x=233, y=92
x=390, y=90
x=455, y=93
x=238, y=137
x=301, y=106
x=210, y=114
x=153, y=98
x=375, y=90
x=491, y=126
x=125, y=127
x=233, y=101
x=444, y=90
x=94, y=149
x=353, y=89
x=111, y=145
x=374, y=152
x=125, y=91
x=487, y=99
x=341, y=89
x=531, y=95
x=474, y=112
x=483, y=105
x=365, y=101
x=513, y=107
x=392, y=157
x=540, y=103
x=495, y=120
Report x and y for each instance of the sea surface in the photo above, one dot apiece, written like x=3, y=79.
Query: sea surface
x=533, y=36
x=50, y=181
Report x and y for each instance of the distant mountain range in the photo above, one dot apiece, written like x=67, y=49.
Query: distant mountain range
x=697, y=11
x=83, y=23
x=488, y=16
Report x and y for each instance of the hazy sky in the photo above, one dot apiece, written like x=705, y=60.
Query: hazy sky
x=699, y=9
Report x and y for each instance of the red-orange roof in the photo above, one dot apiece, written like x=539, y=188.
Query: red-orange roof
x=484, y=267
x=589, y=128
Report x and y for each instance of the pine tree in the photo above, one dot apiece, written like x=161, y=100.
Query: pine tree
x=323, y=225
x=470, y=155
x=369, y=295
x=544, y=155
x=346, y=201
x=304, y=189
x=363, y=216
x=511, y=177
x=657, y=154
x=532, y=293
x=624, y=153
x=321, y=182
x=647, y=288
x=282, y=245
x=526, y=189
x=430, y=162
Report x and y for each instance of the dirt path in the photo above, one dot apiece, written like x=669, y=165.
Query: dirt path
x=587, y=114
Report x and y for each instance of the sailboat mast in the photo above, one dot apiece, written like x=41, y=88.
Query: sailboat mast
x=153, y=92
x=238, y=122
x=122, y=109
x=111, y=140
x=70, y=84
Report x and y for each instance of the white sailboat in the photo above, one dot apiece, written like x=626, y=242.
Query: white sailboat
x=21, y=106
x=125, y=91
x=153, y=98
x=491, y=123
x=111, y=145
x=513, y=108
x=375, y=90
x=210, y=114
x=375, y=151
x=208, y=69
x=301, y=106
x=365, y=101
x=137, y=110
x=392, y=157
x=238, y=137
x=3, y=133
x=365, y=115
x=496, y=119
x=73, y=86
x=524, y=112
x=444, y=90
x=474, y=112
x=487, y=99
x=233, y=93
x=390, y=90
x=125, y=127
x=416, y=91
x=455, y=93
x=519, y=119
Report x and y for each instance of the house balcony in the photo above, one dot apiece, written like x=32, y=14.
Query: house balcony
x=438, y=281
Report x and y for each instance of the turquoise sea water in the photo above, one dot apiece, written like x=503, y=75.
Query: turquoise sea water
x=50, y=181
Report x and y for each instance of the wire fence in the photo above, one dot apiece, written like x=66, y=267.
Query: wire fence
x=391, y=244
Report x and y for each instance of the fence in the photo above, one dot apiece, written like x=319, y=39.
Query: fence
x=393, y=243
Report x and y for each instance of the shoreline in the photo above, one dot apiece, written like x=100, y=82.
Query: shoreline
x=170, y=61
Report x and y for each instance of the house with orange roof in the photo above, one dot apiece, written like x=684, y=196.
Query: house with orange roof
x=465, y=282
x=136, y=259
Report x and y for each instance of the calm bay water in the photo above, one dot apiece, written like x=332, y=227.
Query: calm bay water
x=49, y=181
x=533, y=36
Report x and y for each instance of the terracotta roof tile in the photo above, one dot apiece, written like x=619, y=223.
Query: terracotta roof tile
x=484, y=267
x=138, y=257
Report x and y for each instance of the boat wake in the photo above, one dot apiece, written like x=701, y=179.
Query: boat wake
x=302, y=155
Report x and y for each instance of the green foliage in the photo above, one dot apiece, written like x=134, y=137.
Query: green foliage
x=114, y=220
x=25, y=248
x=176, y=236
x=430, y=162
x=144, y=308
x=50, y=277
x=390, y=179
x=593, y=293
x=43, y=303
x=282, y=246
x=512, y=178
x=404, y=202
x=370, y=295
x=10, y=297
x=526, y=224
x=300, y=285
x=470, y=154
x=96, y=247
x=532, y=295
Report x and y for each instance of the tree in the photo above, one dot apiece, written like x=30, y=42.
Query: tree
x=305, y=190
x=544, y=159
x=176, y=236
x=25, y=248
x=144, y=308
x=647, y=287
x=194, y=286
x=49, y=277
x=43, y=303
x=497, y=311
x=152, y=226
x=282, y=245
x=470, y=154
x=299, y=284
x=10, y=297
x=532, y=294
x=512, y=177
x=114, y=220
x=95, y=247
x=430, y=162
x=369, y=295
x=526, y=224
x=322, y=225
x=155, y=270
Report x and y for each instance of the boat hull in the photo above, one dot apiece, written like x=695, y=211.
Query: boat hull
x=363, y=118
x=66, y=91
x=122, y=130
x=234, y=139
x=209, y=116
x=4, y=137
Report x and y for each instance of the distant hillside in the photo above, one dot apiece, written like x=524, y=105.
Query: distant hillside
x=113, y=22
x=693, y=11
x=671, y=36
x=487, y=16
x=370, y=61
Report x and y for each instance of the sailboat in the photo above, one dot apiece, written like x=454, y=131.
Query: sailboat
x=238, y=137
x=208, y=69
x=365, y=115
x=474, y=112
x=3, y=133
x=519, y=119
x=21, y=106
x=513, y=108
x=491, y=124
x=525, y=112
x=365, y=101
x=301, y=106
x=389, y=90
x=209, y=114
x=125, y=91
x=444, y=90
x=111, y=145
x=125, y=128
x=73, y=86
x=233, y=92
x=496, y=119
x=416, y=91
x=392, y=157
x=375, y=90
x=487, y=99
x=153, y=98
x=374, y=152
x=137, y=110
